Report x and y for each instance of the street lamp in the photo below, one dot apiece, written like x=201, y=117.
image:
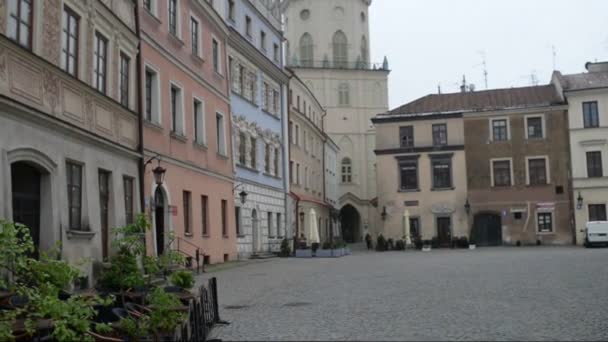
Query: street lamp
x=467, y=207
x=243, y=195
x=579, y=201
x=158, y=171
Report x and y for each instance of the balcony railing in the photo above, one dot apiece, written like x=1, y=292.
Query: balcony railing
x=326, y=64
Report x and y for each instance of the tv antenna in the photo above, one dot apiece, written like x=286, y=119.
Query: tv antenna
x=554, y=55
x=484, y=65
x=532, y=77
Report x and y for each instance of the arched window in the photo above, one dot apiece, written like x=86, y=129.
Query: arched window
x=306, y=50
x=343, y=94
x=364, y=55
x=347, y=171
x=340, y=47
x=242, y=148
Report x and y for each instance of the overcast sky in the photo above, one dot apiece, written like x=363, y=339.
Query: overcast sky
x=431, y=42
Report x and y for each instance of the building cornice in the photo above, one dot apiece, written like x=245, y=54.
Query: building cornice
x=187, y=165
x=402, y=150
x=380, y=119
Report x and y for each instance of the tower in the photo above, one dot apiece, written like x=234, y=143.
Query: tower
x=328, y=47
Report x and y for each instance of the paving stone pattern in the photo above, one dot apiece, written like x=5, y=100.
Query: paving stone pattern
x=542, y=293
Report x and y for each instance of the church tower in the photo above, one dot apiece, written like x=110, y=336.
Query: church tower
x=328, y=46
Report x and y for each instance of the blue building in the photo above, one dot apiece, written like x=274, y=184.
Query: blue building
x=259, y=111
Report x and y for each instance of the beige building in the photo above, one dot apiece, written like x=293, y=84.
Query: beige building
x=421, y=173
x=587, y=98
x=328, y=48
x=306, y=164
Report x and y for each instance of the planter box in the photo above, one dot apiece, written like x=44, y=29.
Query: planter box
x=426, y=248
x=324, y=253
x=304, y=253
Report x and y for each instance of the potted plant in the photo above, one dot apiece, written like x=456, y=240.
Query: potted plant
x=325, y=251
x=381, y=244
x=285, y=249
x=183, y=279
x=472, y=244
x=426, y=245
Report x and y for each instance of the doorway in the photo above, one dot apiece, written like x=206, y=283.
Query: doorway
x=351, y=221
x=159, y=219
x=444, y=231
x=104, y=211
x=25, y=180
x=487, y=229
x=254, y=231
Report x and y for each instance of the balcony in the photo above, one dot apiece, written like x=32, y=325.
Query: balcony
x=326, y=64
x=32, y=81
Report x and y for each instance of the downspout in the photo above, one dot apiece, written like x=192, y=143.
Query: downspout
x=142, y=168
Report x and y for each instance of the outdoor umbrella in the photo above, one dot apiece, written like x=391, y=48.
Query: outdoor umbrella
x=406, y=218
x=313, y=232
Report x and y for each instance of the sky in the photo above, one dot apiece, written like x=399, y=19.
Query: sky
x=435, y=42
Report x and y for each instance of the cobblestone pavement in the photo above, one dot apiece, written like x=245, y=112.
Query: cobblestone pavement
x=541, y=293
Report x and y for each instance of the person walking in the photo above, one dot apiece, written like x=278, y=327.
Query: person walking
x=368, y=241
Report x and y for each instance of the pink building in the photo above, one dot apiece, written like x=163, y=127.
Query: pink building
x=186, y=114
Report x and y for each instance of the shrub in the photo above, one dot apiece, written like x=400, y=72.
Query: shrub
x=314, y=247
x=285, y=249
x=518, y=243
x=400, y=245
x=183, y=279
x=390, y=245
x=327, y=245
x=435, y=242
x=381, y=244
x=463, y=242
x=418, y=242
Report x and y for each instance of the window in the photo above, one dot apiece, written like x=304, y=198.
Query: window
x=298, y=179
x=148, y=5
x=248, y=26
x=364, y=50
x=414, y=227
x=242, y=148
x=340, y=50
x=279, y=230
x=277, y=158
x=275, y=52
x=99, y=63
x=205, y=215
x=69, y=41
x=224, y=218
x=343, y=95
x=151, y=88
x=199, y=122
x=501, y=172
x=442, y=173
x=594, y=164
x=306, y=50
x=306, y=179
x=406, y=136
x=176, y=111
x=409, y=174
x=194, y=36
x=216, y=57
x=269, y=221
x=128, y=187
x=187, y=212
x=440, y=134
x=534, y=127
x=500, y=130
x=267, y=159
x=347, y=170
x=231, y=10
x=291, y=171
x=305, y=140
x=297, y=136
x=20, y=22
x=597, y=212
x=263, y=40
x=237, y=217
x=590, y=115
x=537, y=171
x=124, y=79
x=253, y=153
x=74, y=182
x=173, y=17
x=545, y=222
x=298, y=104
x=275, y=102
x=241, y=80
x=219, y=130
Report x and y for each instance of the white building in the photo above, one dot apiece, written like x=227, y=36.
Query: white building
x=328, y=47
x=587, y=97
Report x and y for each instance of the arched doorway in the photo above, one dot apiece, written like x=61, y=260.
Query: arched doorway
x=254, y=231
x=351, y=224
x=25, y=181
x=159, y=220
x=487, y=229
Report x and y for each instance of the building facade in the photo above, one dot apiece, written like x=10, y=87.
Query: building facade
x=328, y=48
x=330, y=153
x=518, y=166
x=257, y=86
x=306, y=171
x=187, y=125
x=587, y=98
x=421, y=173
x=69, y=140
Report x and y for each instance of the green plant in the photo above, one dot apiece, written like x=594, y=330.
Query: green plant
x=400, y=245
x=164, y=317
x=183, y=279
x=381, y=243
x=285, y=248
x=327, y=245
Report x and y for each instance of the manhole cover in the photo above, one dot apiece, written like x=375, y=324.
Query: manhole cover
x=297, y=304
x=236, y=307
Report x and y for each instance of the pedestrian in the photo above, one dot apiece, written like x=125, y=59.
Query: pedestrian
x=368, y=241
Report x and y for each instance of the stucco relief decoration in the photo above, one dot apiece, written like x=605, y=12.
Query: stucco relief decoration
x=3, y=63
x=52, y=19
x=124, y=10
x=51, y=88
x=2, y=14
x=88, y=109
x=117, y=125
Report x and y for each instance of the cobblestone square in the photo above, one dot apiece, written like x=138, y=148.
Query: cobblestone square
x=539, y=293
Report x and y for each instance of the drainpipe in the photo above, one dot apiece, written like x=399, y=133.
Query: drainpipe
x=140, y=130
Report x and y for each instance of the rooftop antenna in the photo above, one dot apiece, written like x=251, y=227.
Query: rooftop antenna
x=554, y=54
x=485, y=67
x=439, y=88
x=463, y=86
x=533, y=78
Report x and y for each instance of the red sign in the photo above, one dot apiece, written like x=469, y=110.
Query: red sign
x=173, y=210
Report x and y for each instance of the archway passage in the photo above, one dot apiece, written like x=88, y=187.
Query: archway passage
x=25, y=181
x=487, y=229
x=159, y=219
x=351, y=224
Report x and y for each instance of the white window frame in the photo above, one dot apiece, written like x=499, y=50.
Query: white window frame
x=219, y=57
x=156, y=98
x=178, y=20
x=153, y=8
x=543, y=126
x=131, y=76
x=491, y=123
x=545, y=211
x=199, y=50
x=180, y=124
x=547, y=168
x=510, y=160
x=221, y=135
x=203, y=134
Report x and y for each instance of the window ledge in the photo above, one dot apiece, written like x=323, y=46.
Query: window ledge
x=152, y=16
x=222, y=156
x=217, y=74
x=443, y=189
x=80, y=234
x=536, y=139
x=271, y=175
x=200, y=145
x=545, y=233
x=188, y=235
x=177, y=40
x=197, y=59
x=248, y=168
x=153, y=125
x=179, y=137
x=538, y=185
x=241, y=236
x=225, y=237
x=408, y=190
x=206, y=236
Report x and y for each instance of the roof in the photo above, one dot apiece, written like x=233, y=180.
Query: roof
x=487, y=100
x=588, y=80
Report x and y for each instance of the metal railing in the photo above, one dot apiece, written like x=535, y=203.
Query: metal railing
x=347, y=65
x=194, y=255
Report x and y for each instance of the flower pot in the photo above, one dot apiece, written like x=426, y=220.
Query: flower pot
x=426, y=248
x=472, y=247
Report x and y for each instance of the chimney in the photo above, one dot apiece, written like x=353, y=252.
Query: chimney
x=597, y=66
